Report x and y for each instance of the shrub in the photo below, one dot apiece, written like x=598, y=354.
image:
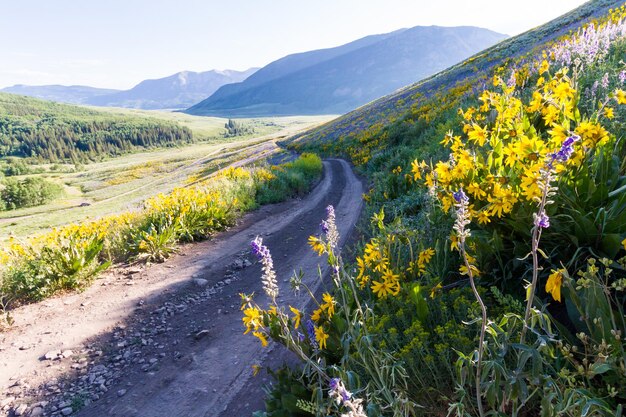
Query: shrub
x=28, y=192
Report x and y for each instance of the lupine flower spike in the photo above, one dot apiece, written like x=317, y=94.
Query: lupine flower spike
x=342, y=396
x=270, y=285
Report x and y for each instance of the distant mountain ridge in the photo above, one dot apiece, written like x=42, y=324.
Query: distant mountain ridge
x=177, y=91
x=340, y=79
x=72, y=94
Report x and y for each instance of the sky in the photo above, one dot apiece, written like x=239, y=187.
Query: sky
x=118, y=43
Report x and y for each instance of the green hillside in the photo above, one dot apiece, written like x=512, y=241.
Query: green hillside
x=491, y=278
x=59, y=132
x=424, y=111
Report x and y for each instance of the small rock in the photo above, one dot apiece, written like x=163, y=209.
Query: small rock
x=200, y=282
x=51, y=355
x=201, y=334
x=67, y=353
x=36, y=412
x=20, y=409
x=67, y=411
x=121, y=393
x=6, y=401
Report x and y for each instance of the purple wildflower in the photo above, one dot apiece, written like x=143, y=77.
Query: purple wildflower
x=329, y=226
x=324, y=226
x=605, y=80
x=542, y=220
x=460, y=196
x=512, y=80
x=270, y=286
x=566, y=151
x=339, y=392
x=310, y=329
x=622, y=76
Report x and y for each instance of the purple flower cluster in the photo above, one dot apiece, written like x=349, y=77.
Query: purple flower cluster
x=460, y=196
x=310, y=329
x=542, y=220
x=262, y=252
x=589, y=44
x=566, y=151
x=329, y=227
x=338, y=390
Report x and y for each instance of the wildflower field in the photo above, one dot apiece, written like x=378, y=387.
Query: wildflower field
x=491, y=279
x=70, y=257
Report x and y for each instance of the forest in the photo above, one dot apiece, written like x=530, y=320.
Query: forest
x=54, y=132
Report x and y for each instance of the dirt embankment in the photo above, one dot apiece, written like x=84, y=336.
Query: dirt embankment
x=167, y=340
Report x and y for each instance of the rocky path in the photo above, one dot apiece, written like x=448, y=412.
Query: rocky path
x=167, y=340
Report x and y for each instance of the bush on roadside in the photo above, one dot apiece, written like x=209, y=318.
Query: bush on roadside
x=28, y=192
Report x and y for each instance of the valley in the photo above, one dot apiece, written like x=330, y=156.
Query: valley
x=122, y=183
x=398, y=210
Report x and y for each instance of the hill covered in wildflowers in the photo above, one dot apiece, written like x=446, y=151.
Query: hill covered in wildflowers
x=492, y=279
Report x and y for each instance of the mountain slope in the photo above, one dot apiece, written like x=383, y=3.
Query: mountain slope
x=407, y=114
x=339, y=79
x=73, y=94
x=179, y=90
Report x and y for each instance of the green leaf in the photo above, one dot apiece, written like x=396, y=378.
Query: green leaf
x=421, y=306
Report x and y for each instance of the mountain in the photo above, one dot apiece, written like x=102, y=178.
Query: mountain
x=73, y=94
x=405, y=116
x=337, y=80
x=177, y=91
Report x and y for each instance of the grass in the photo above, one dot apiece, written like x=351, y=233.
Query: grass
x=122, y=183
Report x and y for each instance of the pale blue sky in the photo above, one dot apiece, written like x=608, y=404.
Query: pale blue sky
x=117, y=43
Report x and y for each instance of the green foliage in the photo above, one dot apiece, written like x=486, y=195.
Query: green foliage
x=58, y=132
x=70, y=262
x=287, y=397
x=235, y=128
x=27, y=192
x=291, y=179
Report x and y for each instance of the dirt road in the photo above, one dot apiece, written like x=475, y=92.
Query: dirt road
x=167, y=340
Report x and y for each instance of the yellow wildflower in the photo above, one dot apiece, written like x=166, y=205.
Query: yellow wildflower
x=261, y=337
x=251, y=319
x=389, y=285
x=424, y=258
x=321, y=336
x=553, y=285
x=317, y=314
x=435, y=290
x=620, y=96
x=297, y=316
x=328, y=305
x=317, y=245
x=477, y=134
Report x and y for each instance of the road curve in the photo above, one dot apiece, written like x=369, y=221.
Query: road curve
x=214, y=373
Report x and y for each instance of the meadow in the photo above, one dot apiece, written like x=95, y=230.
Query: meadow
x=121, y=183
